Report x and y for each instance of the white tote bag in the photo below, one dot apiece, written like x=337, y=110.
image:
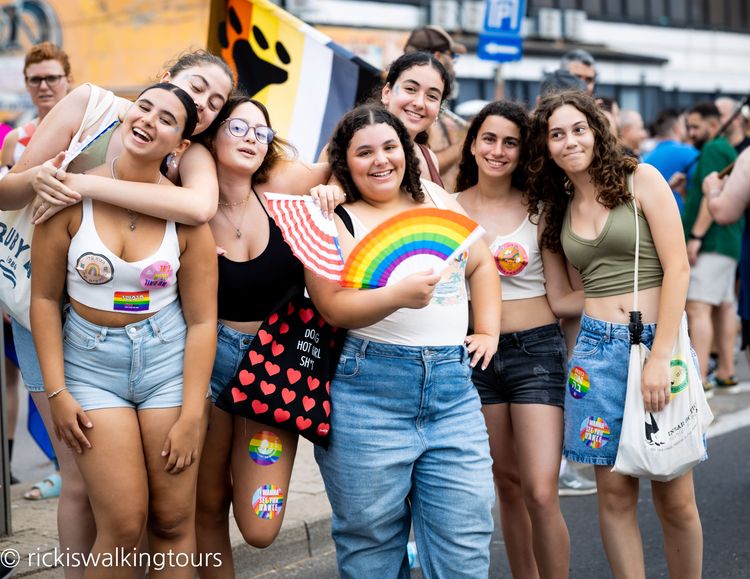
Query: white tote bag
x=662, y=445
x=16, y=229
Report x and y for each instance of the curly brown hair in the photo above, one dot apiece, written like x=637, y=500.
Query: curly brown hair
x=549, y=184
x=357, y=119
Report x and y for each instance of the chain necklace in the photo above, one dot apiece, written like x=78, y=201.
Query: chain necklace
x=132, y=215
x=225, y=212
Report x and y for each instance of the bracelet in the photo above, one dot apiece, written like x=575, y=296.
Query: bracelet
x=696, y=237
x=56, y=392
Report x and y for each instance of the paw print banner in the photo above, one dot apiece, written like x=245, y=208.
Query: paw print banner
x=306, y=80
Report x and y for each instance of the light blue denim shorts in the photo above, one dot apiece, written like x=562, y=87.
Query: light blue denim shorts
x=137, y=366
x=28, y=362
x=596, y=386
x=231, y=346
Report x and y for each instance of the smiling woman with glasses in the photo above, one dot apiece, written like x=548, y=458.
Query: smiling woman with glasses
x=47, y=74
x=240, y=128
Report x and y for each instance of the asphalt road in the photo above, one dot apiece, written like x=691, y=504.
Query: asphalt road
x=723, y=491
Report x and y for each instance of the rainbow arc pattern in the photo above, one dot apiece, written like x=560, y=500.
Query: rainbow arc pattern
x=409, y=235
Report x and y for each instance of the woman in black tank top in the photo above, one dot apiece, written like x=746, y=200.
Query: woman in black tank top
x=256, y=270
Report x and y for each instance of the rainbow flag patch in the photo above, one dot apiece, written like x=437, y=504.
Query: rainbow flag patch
x=132, y=301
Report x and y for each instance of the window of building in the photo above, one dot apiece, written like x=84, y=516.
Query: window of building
x=613, y=8
x=636, y=10
x=593, y=8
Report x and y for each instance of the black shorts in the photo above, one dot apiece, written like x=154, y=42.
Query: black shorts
x=528, y=368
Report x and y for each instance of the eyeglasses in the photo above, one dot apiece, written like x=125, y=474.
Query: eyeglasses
x=51, y=80
x=240, y=127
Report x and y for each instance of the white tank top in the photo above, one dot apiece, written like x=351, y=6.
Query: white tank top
x=443, y=322
x=99, y=279
x=519, y=262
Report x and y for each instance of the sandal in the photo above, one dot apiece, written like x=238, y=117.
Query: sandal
x=49, y=488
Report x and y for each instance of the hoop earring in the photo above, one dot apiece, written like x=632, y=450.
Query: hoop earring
x=172, y=162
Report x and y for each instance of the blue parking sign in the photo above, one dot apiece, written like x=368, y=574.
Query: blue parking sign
x=500, y=39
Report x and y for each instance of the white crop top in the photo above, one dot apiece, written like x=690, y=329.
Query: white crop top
x=99, y=279
x=519, y=262
x=443, y=322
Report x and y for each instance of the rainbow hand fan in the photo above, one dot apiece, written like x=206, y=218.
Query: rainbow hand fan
x=412, y=241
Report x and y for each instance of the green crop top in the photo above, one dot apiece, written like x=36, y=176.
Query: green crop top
x=606, y=263
x=95, y=153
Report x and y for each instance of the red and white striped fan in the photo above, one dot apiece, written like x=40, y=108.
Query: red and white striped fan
x=311, y=235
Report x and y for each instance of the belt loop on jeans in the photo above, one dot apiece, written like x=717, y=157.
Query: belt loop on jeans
x=155, y=326
x=363, y=348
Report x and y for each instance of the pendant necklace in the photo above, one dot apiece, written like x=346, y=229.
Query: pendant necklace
x=132, y=215
x=225, y=212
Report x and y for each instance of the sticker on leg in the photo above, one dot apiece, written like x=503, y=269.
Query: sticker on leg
x=595, y=432
x=578, y=382
x=268, y=500
x=265, y=448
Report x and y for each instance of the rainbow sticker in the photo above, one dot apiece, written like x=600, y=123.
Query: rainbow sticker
x=679, y=376
x=268, y=501
x=132, y=301
x=595, y=432
x=578, y=382
x=94, y=268
x=265, y=448
x=425, y=238
x=511, y=259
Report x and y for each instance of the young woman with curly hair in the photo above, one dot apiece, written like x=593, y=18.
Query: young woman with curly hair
x=524, y=386
x=590, y=190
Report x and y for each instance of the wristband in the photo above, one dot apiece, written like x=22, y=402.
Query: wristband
x=696, y=237
x=56, y=392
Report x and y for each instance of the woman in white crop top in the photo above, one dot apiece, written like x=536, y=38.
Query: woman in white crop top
x=126, y=378
x=407, y=435
x=524, y=386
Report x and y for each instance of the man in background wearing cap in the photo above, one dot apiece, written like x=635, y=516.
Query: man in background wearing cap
x=446, y=138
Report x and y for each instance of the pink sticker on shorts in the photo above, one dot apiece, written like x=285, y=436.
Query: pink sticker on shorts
x=595, y=432
x=157, y=275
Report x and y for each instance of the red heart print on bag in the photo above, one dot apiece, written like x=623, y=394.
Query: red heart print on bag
x=321, y=321
x=267, y=388
x=293, y=375
x=238, y=395
x=327, y=407
x=308, y=403
x=312, y=383
x=306, y=314
x=259, y=407
x=272, y=368
x=328, y=387
x=264, y=337
x=323, y=429
x=273, y=318
x=255, y=358
x=281, y=415
x=303, y=423
x=290, y=309
x=276, y=348
x=246, y=378
x=288, y=395
x=283, y=328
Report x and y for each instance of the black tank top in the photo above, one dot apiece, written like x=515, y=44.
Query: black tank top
x=250, y=290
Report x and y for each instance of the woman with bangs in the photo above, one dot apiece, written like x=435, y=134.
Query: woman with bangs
x=590, y=192
x=256, y=270
x=126, y=376
x=524, y=386
x=208, y=80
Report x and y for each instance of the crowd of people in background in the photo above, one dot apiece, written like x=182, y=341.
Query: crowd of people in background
x=528, y=326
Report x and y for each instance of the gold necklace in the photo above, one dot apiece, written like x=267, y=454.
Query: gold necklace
x=132, y=215
x=236, y=203
x=237, y=228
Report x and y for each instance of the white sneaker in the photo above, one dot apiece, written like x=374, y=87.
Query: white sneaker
x=573, y=483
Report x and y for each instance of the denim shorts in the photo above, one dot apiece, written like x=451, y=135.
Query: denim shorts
x=28, y=362
x=528, y=368
x=597, y=384
x=408, y=446
x=136, y=366
x=231, y=346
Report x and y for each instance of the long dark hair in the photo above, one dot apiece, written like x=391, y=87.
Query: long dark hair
x=549, y=184
x=278, y=150
x=191, y=113
x=468, y=172
x=357, y=119
x=410, y=60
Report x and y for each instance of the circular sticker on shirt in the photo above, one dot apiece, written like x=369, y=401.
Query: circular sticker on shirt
x=679, y=375
x=157, y=275
x=265, y=448
x=511, y=258
x=595, y=432
x=94, y=268
x=268, y=500
x=578, y=382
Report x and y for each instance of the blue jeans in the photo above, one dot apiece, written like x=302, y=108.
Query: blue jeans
x=231, y=346
x=28, y=362
x=408, y=444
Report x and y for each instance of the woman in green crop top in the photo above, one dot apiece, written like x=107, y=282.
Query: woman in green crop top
x=579, y=172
